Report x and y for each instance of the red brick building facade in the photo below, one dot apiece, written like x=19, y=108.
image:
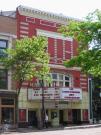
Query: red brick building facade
x=70, y=108
x=66, y=99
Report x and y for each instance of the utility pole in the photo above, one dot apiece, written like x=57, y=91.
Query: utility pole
x=43, y=107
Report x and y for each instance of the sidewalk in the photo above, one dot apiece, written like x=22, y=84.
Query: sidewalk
x=59, y=128
x=26, y=130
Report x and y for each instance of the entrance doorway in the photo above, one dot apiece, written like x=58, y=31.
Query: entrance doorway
x=32, y=118
x=76, y=115
x=61, y=117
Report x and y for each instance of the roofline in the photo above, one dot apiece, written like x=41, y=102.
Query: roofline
x=32, y=12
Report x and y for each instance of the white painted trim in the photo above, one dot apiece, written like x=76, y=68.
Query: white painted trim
x=23, y=27
x=52, y=34
x=9, y=80
x=23, y=32
x=7, y=35
x=23, y=36
x=24, y=23
x=63, y=67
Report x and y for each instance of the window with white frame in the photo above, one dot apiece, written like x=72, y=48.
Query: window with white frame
x=57, y=80
x=60, y=80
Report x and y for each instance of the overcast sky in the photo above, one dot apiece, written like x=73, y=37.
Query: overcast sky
x=72, y=8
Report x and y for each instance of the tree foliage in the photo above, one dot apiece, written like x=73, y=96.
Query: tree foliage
x=88, y=35
x=28, y=59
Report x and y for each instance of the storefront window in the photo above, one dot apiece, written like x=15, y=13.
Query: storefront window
x=6, y=101
x=7, y=115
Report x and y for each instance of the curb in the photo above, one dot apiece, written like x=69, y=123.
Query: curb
x=83, y=127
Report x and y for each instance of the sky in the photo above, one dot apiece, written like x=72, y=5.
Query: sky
x=71, y=8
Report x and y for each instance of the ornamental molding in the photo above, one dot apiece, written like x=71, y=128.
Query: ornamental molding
x=31, y=12
x=64, y=68
x=52, y=35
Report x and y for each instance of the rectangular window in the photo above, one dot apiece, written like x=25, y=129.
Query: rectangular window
x=67, y=84
x=3, y=47
x=3, y=79
x=60, y=77
x=54, y=76
x=6, y=101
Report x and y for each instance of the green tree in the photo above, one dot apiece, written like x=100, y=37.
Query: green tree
x=27, y=59
x=88, y=35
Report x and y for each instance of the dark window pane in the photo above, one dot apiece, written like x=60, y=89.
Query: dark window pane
x=3, y=79
x=66, y=83
x=6, y=101
x=54, y=76
x=66, y=78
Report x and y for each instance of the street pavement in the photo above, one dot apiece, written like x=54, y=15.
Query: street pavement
x=94, y=129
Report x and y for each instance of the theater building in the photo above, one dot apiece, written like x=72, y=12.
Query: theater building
x=66, y=98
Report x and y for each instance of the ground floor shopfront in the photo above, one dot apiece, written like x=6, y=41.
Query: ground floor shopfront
x=59, y=112
x=7, y=107
x=56, y=117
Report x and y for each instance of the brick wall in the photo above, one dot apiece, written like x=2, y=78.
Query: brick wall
x=7, y=25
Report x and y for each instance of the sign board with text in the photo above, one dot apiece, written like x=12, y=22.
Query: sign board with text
x=64, y=94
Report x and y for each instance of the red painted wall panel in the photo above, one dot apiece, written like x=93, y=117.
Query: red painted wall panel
x=85, y=114
x=67, y=49
x=59, y=48
x=75, y=47
x=76, y=79
x=51, y=47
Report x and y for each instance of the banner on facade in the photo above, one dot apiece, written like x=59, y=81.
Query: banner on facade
x=71, y=94
x=36, y=94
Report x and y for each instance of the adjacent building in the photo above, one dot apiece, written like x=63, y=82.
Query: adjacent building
x=7, y=91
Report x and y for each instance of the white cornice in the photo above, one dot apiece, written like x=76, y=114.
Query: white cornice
x=7, y=35
x=31, y=12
